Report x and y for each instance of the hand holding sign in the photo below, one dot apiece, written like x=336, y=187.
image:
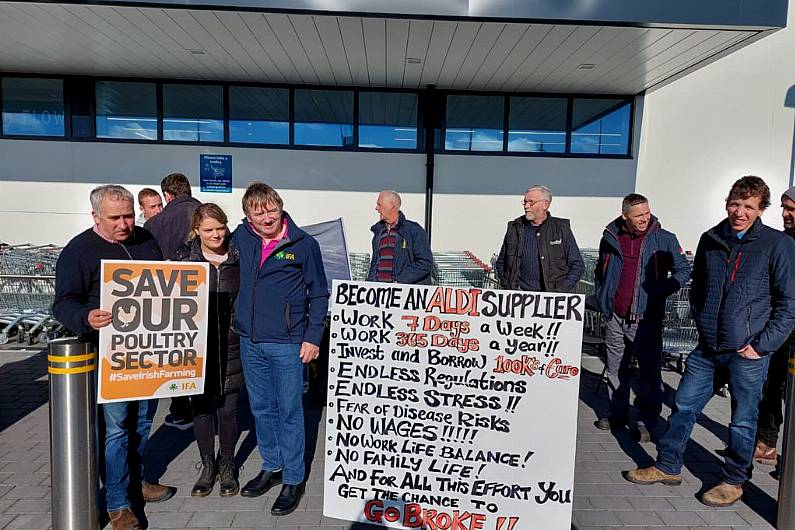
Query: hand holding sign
x=97, y=318
x=153, y=340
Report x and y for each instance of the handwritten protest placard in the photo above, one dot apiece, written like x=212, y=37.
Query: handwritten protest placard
x=156, y=344
x=452, y=408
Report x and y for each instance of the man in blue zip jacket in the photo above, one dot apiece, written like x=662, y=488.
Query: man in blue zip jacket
x=640, y=265
x=401, y=252
x=743, y=301
x=279, y=314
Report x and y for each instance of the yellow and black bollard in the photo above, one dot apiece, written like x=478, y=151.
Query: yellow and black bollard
x=73, y=439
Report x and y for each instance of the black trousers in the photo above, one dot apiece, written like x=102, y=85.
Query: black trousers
x=771, y=407
x=205, y=408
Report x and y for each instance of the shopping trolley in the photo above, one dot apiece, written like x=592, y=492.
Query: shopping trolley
x=460, y=269
x=27, y=286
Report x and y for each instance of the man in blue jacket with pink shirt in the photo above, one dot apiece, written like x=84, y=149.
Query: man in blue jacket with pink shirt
x=279, y=314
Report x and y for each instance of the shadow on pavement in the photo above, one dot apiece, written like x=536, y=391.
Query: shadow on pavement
x=22, y=389
x=704, y=464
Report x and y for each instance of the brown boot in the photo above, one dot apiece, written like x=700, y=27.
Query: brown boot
x=157, y=492
x=652, y=475
x=124, y=519
x=764, y=454
x=722, y=495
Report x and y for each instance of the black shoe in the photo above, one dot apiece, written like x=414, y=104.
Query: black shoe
x=602, y=424
x=288, y=499
x=227, y=476
x=264, y=481
x=610, y=424
x=204, y=486
x=183, y=424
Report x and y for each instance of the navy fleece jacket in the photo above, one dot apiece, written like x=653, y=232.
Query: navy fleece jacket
x=744, y=293
x=286, y=299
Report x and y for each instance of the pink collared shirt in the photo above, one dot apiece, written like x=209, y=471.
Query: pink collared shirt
x=267, y=248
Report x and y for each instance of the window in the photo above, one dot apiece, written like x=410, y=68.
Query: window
x=324, y=117
x=126, y=110
x=79, y=92
x=537, y=125
x=193, y=113
x=474, y=123
x=600, y=126
x=388, y=120
x=259, y=115
x=33, y=107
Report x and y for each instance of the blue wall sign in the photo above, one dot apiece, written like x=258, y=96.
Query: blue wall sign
x=216, y=173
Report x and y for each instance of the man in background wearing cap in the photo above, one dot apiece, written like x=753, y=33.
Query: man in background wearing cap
x=771, y=415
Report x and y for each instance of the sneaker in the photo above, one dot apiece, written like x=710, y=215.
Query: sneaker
x=652, y=475
x=722, y=495
x=182, y=424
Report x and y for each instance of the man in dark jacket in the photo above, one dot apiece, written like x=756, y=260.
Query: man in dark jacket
x=539, y=252
x=401, y=252
x=640, y=265
x=281, y=305
x=743, y=301
x=76, y=306
x=771, y=415
x=170, y=228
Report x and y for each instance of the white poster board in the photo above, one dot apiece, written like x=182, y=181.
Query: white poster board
x=156, y=345
x=452, y=407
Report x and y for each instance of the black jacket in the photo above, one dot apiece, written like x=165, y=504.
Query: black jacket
x=224, y=373
x=171, y=226
x=561, y=262
x=77, y=275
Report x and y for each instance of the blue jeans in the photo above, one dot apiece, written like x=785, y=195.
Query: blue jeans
x=274, y=377
x=746, y=378
x=119, y=441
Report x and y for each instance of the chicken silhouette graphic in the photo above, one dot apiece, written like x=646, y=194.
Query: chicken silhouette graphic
x=126, y=317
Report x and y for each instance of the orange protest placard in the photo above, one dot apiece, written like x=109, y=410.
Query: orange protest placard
x=156, y=343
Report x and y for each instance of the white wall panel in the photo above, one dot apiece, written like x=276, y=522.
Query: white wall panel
x=726, y=120
x=476, y=196
x=44, y=185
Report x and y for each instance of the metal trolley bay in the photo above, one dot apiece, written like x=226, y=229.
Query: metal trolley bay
x=27, y=285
